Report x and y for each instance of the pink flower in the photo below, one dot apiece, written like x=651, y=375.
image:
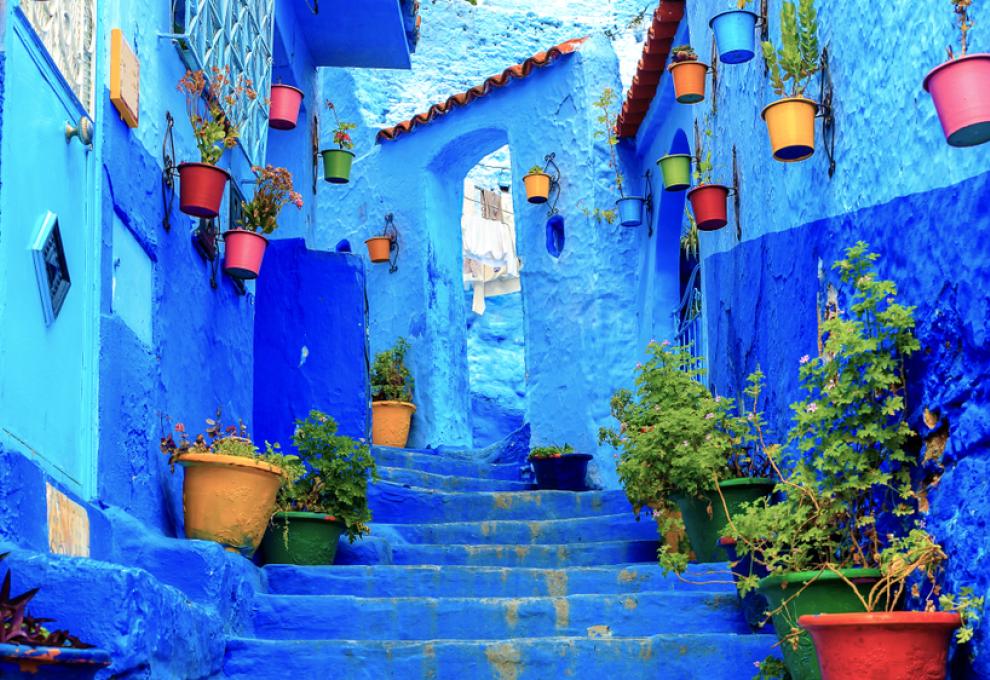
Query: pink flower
x=811, y=408
x=805, y=359
x=638, y=366
x=709, y=416
x=665, y=343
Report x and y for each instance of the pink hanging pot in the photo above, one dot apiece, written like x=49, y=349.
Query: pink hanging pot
x=961, y=91
x=284, y=107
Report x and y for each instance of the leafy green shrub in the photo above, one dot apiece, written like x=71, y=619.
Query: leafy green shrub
x=390, y=379
x=329, y=476
x=797, y=60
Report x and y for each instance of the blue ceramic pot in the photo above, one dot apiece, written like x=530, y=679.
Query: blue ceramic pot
x=735, y=35
x=630, y=211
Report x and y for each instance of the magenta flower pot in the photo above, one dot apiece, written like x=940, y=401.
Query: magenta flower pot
x=961, y=90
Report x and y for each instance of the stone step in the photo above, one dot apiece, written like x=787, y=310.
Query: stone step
x=462, y=581
x=619, y=527
x=288, y=617
x=552, y=556
x=703, y=656
x=396, y=504
x=444, y=463
x=439, y=482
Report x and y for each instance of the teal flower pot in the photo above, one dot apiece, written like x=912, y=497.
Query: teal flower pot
x=735, y=35
x=676, y=170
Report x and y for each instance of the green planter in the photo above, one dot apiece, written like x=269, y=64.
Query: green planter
x=703, y=531
x=337, y=165
x=301, y=538
x=676, y=171
x=829, y=594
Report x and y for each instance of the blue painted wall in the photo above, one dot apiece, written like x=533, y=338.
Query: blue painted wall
x=921, y=204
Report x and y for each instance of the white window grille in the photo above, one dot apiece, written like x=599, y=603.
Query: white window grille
x=67, y=29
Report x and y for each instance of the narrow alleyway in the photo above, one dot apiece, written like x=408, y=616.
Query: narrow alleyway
x=489, y=579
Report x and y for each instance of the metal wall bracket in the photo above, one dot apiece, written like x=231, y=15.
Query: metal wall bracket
x=648, y=178
x=206, y=238
x=169, y=172
x=714, y=70
x=736, y=199
x=764, y=23
x=393, y=243
x=549, y=161
x=826, y=111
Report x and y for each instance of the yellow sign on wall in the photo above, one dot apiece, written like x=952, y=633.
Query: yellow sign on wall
x=125, y=78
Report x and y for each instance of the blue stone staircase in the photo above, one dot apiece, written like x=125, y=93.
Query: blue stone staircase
x=477, y=575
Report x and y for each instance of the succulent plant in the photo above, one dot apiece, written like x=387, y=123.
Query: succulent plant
x=17, y=627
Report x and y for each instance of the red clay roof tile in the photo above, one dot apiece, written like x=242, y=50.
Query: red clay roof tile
x=516, y=72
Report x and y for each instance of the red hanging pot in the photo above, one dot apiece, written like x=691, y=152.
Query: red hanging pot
x=243, y=253
x=961, y=90
x=201, y=188
x=709, y=204
x=284, y=108
x=888, y=645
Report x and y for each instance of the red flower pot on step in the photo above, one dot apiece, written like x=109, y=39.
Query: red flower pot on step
x=243, y=253
x=201, y=188
x=709, y=204
x=888, y=645
x=284, y=108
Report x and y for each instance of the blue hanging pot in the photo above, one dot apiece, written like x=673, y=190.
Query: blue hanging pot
x=735, y=35
x=630, y=211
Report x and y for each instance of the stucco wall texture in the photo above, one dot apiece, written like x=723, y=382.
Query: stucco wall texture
x=922, y=205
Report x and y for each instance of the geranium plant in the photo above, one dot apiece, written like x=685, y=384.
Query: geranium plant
x=341, y=130
x=390, y=378
x=273, y=192
x=329, y=476
x=211, y=103
x=683, y=53
x=544, y=452
x=797, y=60
x=230, y=440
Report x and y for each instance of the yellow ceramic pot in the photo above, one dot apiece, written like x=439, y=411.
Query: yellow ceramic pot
x=390, y=422
x=791, y=123
x=228, y=499
x=537, y=187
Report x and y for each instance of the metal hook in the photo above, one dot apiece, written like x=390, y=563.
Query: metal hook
x=549, y=160
x=648, y=177
x=826, y=111
x=393, y=243
x=169, y=172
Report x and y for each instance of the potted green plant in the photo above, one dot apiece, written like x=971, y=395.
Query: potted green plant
x=735, y=33
x=897, y=645
x=391, y=396
x=560, y=468
x=791, y=119
x=960, y=88
x=850, y=466
x=537, y=184
x=27, y=646
x=629, y=209
x=324, y=494
x=229, y=486
x=337, y=162
x=244, y=247
x=210, y=101
x=708, y=199
x=684, y=451
x=689, y=75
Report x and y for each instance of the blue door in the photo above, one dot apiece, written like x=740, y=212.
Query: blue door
x=48, y=290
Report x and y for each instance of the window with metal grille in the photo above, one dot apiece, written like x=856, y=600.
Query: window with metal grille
x=238, y=34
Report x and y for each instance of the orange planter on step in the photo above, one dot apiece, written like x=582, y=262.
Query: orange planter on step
x=228, y=499
x=390, y=422
x=689, y=81
x=791, y=123
x=379, y=248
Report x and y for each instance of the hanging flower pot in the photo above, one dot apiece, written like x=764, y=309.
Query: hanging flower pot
x=709, y=202
x=735, y=35
x=201, y=188
x=537, y=187
x=888, y=645
x=961, y=90
x=306, y=538
x=791, y=123
x=243, y=253
x=337, y=165
x=689, y=81
x=630, y=210
x=284, y=107
x=379, y=248
x=676, y=171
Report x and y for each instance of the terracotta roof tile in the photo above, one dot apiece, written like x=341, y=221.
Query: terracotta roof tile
x=516, y=72
x=650, y=69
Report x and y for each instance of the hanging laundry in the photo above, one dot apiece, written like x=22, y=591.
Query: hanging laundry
x=491, y=205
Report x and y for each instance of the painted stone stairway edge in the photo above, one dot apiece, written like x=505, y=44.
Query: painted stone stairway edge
x=443, y=482
x=442, y=464
x=538, y=555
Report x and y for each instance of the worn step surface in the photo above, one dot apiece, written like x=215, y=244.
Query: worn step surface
x=658, y=657
x=469, y=573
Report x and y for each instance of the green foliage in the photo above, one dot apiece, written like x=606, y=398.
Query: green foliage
x=969, y=609
x=690, y=243
x=273, y=191
x=772, y=668
x=330, y=475
x=218, y=439
x=683, y=53
x=676, y=439
x=210, y=100
x=703, y=166
x=341, y=130
x=599, y=215
x=793, y=65
x=551, y=452
x=390, y=379
x=849, y=441
x=535, y=170
x=607, y=120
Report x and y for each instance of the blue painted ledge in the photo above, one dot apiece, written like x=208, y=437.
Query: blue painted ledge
x=57, y=661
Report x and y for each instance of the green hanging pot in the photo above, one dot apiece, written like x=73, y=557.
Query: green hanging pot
x=812, y=592
x=308, y=538
x=704, y=530
x=676, y=171
x=337, y=165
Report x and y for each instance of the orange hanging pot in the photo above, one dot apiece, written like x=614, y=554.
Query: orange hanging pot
x=689, y=81
x=379, y=248
x=791, y=124
x=537, y=187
